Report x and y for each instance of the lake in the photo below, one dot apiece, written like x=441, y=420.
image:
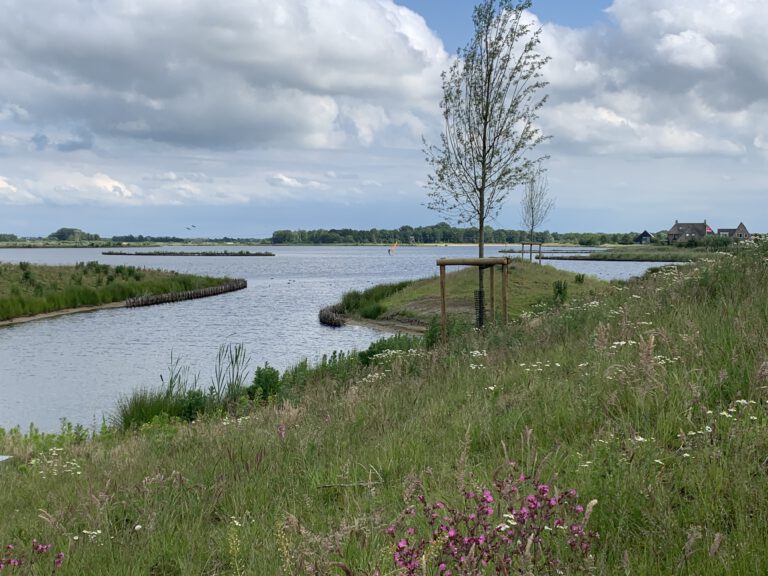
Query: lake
x=77, y=366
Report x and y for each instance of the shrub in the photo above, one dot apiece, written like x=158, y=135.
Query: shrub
x=372, y=311
x=399, y=342
x=559, y=291
x=266, y=383
x=580, y=278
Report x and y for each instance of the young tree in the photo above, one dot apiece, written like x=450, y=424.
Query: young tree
x=491, y=98
x=535, y=205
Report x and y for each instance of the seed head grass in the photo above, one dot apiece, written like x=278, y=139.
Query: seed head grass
x=668, y=434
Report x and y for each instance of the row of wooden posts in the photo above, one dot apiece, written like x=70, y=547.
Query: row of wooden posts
x=152, y=299
x=483, y=263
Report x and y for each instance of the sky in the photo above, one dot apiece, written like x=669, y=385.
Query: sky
x=247, y=116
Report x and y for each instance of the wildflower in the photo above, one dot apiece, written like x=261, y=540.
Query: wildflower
x=137, y=527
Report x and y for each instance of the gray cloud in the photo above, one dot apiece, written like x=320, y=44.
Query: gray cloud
x=220, y=75
x=83, y=141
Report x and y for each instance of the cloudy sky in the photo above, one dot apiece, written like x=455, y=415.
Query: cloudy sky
x=246, y=116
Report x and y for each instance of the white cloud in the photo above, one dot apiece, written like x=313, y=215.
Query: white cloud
x=220, y=75
x=689, y=49
x=71, y=187
x=9, y=194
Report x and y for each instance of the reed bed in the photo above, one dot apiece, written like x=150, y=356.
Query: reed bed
x=29, y=289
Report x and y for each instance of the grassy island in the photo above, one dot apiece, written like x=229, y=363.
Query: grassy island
x=415, y=304
x=29, y=289
x=646, y=253
x=623, y=431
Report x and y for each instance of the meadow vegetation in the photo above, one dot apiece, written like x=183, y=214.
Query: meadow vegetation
x=531, y=286
x=622, y=431
x=28, y=289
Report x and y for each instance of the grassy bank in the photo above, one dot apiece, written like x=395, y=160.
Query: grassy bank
x=29, y=289
x=416, y=304
x=647, y=253
x=635, y=418
x=531, y=285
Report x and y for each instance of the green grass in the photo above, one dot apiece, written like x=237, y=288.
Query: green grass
x=648, y=396
x=28, y=289
x=530, y=286
x=368, y=303
x=648, y=253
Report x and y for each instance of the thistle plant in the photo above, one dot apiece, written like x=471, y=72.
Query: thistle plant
x=517, y=526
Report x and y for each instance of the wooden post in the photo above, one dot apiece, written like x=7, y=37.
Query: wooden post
x=540, y=259
x=504, y=290
x=443, y=313
x=493, y=298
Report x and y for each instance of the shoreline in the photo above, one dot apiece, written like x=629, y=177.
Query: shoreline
x=391, y=326
x=62, y=312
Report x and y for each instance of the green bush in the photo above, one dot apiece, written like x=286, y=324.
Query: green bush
x=266, y=383
x=399, y=342
x=373, y=311
x=559, y=291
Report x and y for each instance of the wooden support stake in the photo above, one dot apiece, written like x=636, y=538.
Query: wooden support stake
x=443, y=312
x=504, y=290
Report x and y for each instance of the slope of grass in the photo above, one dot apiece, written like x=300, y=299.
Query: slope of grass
x=28, y=289
x=647, y=397
x=530, y=285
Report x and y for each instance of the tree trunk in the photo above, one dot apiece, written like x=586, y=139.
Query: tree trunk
x=480, y=271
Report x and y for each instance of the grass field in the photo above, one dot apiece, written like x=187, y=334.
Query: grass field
x=530, y=285
x=624, y=432
x=649, y=253
x=28, y=289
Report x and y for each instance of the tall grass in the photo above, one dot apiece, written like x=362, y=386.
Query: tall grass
x=29, y=289
x=648, y=397
x=367, y=304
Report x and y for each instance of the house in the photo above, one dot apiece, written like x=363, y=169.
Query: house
x=685, y=231
x=644, y=238
x=739, y=233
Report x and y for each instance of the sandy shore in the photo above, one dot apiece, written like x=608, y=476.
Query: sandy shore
x=64, y=312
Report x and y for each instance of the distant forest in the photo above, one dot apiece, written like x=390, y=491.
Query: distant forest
x=443, y=233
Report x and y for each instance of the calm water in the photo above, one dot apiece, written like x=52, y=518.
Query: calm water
x=78, y=366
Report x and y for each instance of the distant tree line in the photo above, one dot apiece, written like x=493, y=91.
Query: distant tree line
x=8, y=238
x=443, y=233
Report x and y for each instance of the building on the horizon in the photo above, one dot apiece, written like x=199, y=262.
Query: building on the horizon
x=643, y=238
x=685, y=231
x=739, y=233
